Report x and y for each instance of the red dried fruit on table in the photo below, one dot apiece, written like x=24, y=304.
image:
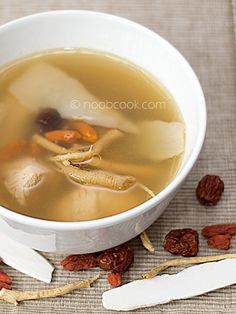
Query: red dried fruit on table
x=220, y=241
x=114, y=279
x=4, y=278
x=117, y=259
x=212, y=230
x=182, y=242
x=209, y=190
x=79, y=262
x=5, y=286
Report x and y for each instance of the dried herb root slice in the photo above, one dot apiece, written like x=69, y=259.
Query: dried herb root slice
x=48, y=145
x=25, y=259
x=146, y=242
x=14, y=297
x=165, y=288
x=185, y=261
x=98, y=177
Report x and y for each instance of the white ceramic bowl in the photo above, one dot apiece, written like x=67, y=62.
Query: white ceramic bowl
x=85, y=29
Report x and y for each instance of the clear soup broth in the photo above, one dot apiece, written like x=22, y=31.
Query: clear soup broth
x=84, y=135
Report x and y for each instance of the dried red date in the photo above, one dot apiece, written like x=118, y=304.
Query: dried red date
x=49, y=119
x=182, y=242
x=117, y=259
x=79, y=262
x=209, y=190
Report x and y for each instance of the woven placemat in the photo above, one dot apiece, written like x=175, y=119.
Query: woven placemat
x=234, y=16
x=203, y=31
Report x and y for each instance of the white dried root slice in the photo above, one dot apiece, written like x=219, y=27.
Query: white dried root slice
x=161, y=140
x=185, y=261
x=14, y=297
x=25, y=259
x=44, y=85
x=146, y=242
x=190, y=282
x=23, y=176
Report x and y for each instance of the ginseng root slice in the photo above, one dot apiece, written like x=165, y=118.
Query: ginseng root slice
x=98, y=177
x=146, y=242
x=14, y=297
x=185, y=261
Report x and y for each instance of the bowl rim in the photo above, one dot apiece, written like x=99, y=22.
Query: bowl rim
x=144, y=207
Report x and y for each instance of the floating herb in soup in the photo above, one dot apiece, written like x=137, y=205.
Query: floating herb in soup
x=84, y=135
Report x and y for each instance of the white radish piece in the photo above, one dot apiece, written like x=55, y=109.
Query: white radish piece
x=190, y=282
x=22, y=176
x=14, y=124
x=25, y=259
x=161, y=140
x=46, y=86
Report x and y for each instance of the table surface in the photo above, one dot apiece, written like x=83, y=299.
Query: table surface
x=203, y=31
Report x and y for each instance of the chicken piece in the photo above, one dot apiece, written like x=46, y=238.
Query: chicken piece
x=46, y=86
x=22, y=176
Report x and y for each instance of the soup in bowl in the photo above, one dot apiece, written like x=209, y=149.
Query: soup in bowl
x=101, y=120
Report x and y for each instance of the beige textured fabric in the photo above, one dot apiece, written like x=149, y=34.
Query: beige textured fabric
x=234, y=15
x=203, y=31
